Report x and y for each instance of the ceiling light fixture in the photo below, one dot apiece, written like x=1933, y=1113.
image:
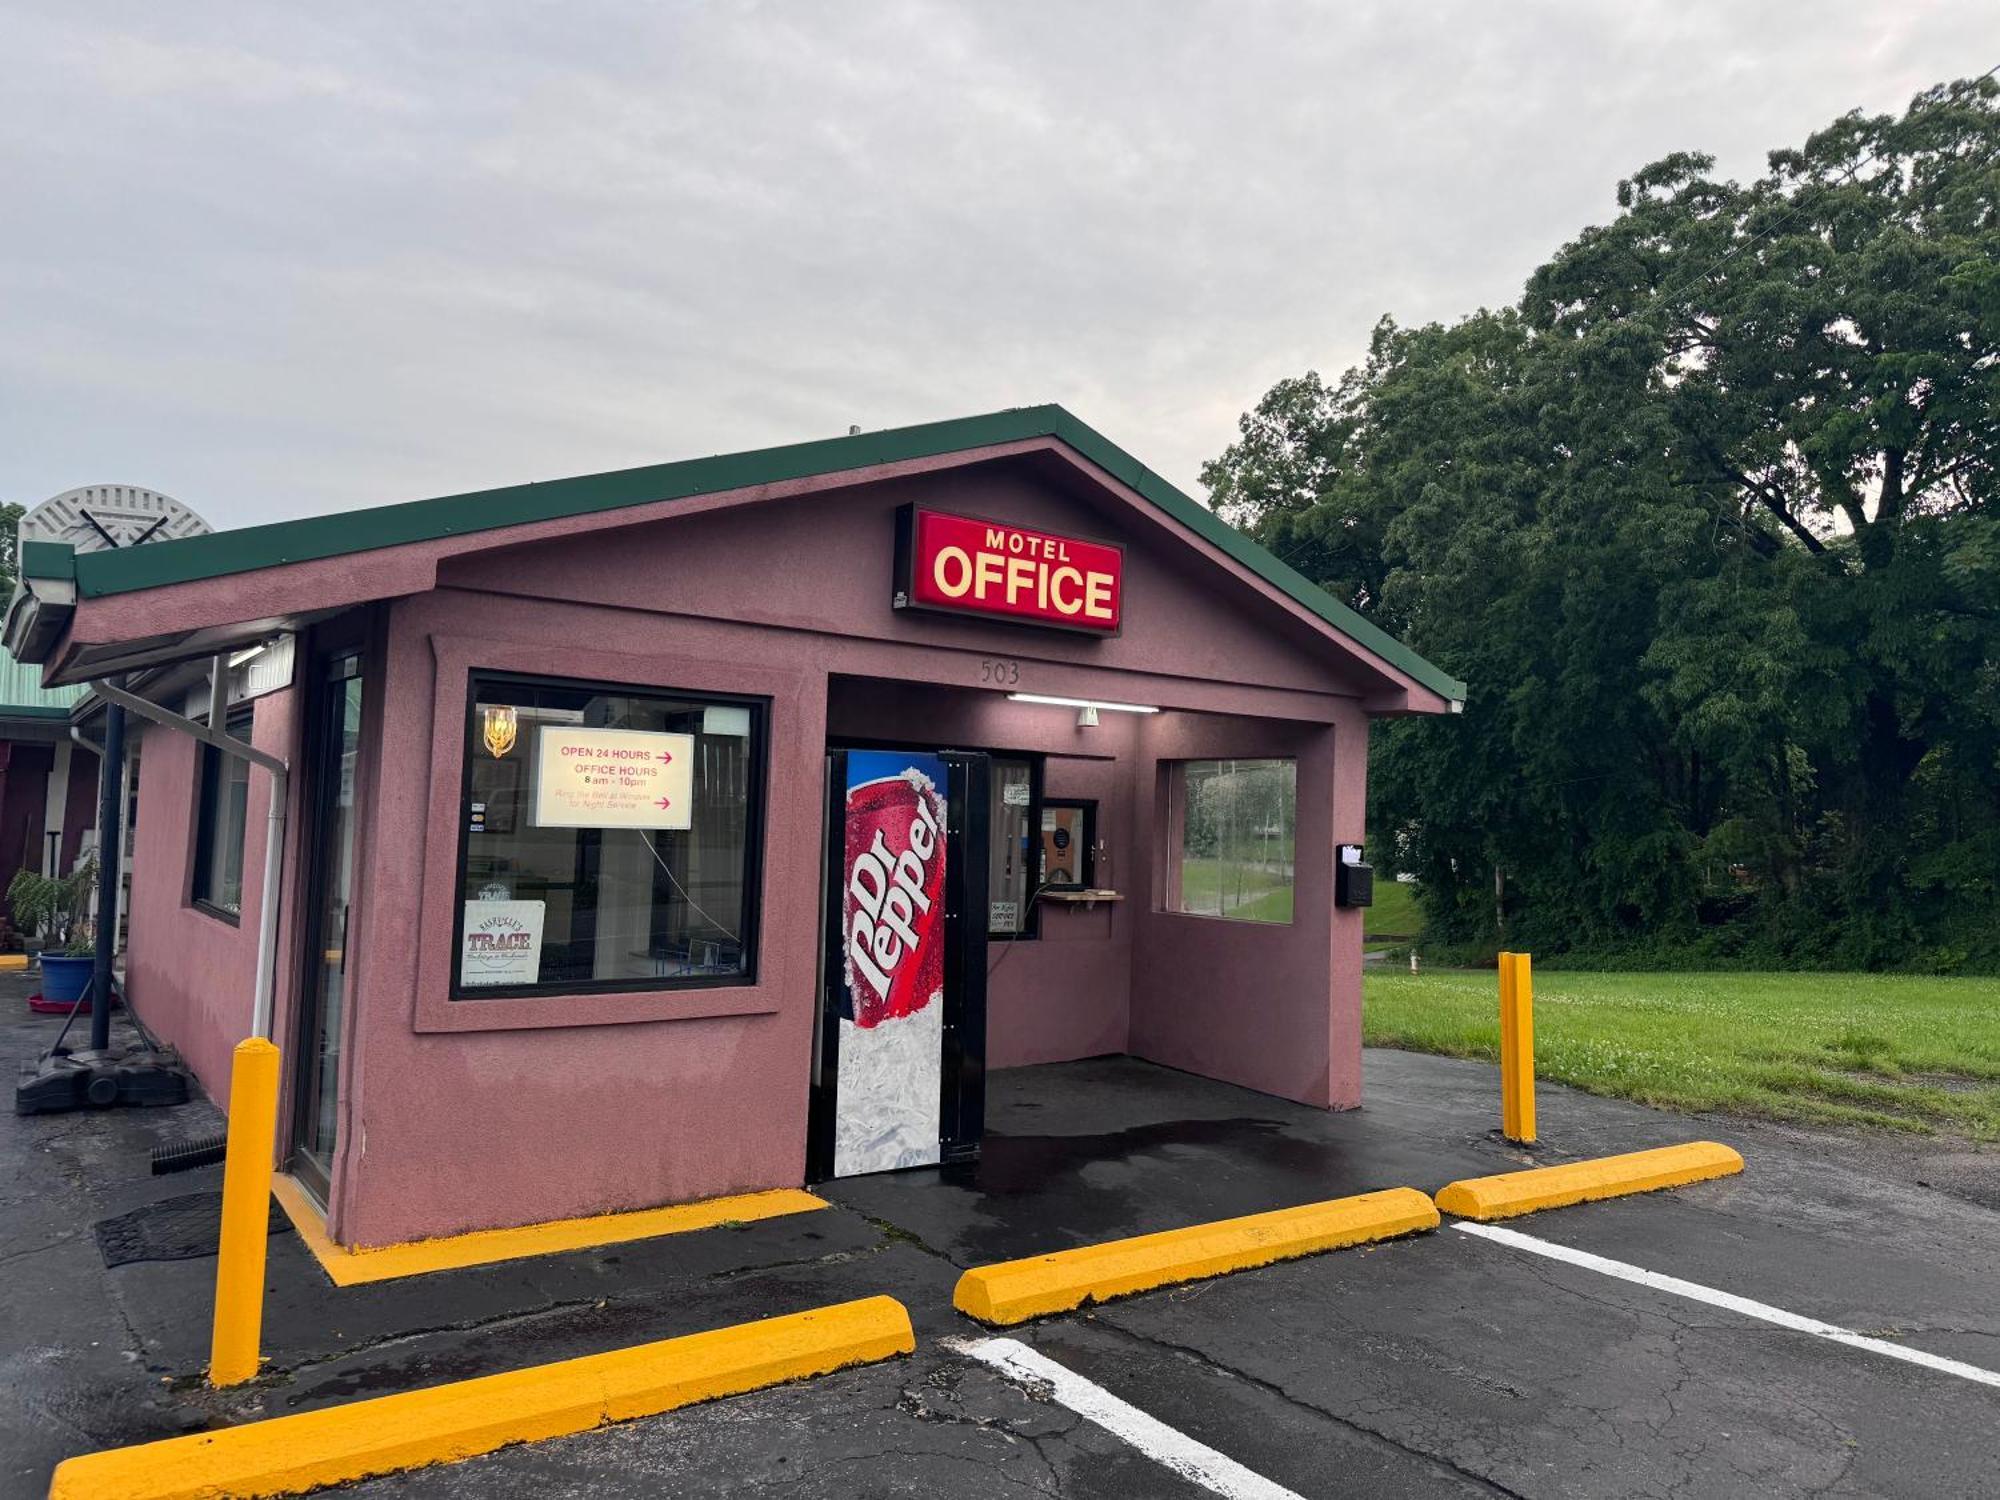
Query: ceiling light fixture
x=1118, y=708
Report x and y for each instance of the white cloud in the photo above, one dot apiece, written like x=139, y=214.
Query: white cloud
x=213, y=76
x=278, y=261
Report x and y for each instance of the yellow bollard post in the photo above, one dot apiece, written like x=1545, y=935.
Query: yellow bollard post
x=1517, y=1048
x=246, y=1213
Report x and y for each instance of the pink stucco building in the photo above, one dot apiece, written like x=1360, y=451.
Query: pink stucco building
x=556, y=930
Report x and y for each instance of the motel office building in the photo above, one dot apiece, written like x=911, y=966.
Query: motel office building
x=696, y=829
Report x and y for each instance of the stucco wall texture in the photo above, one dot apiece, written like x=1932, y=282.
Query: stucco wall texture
x=191, y=974
x=468, y=1114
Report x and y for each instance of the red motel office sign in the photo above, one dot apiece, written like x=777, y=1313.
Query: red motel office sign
x=969, y=566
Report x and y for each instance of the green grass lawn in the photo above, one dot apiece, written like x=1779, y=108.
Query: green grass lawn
x=1394, y=914
x=1240, y=890
x=1900, y=1051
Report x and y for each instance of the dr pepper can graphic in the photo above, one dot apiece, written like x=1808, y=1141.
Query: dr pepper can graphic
x=892, y=898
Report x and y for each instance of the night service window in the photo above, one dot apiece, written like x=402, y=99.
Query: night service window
x=609, y=838
x=1069, y=844
x=1239, y=823
x=221, y=810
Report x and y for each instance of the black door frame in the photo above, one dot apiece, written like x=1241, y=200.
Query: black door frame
x=317, y=805
x=962, y=1065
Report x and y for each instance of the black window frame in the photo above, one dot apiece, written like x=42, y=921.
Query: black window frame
x=753, y=839
x=237, y=723
x=1088, y=864
x=1031, y=916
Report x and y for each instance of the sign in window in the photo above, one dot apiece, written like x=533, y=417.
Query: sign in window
x=613, y=778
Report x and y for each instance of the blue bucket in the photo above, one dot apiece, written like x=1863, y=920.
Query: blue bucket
x=65, y=980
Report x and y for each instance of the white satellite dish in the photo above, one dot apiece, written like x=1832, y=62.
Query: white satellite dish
x=104, y=517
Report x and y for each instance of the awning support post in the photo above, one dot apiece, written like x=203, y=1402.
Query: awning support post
x=110, y=869
x=255, y=1075
x=267, y=913
x=212, y=733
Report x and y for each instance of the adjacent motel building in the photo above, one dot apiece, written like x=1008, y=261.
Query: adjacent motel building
x=725, y=825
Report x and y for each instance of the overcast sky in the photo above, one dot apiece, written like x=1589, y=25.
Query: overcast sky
x=281, y=259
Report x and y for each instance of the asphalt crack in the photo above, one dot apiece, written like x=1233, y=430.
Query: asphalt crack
x=944, y=1380
x=1368, y=1435
x=895, y=1233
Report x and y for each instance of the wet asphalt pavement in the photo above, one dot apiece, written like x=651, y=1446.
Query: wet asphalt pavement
x=1438, y=1365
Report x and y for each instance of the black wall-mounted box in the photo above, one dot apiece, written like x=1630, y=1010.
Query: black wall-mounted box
x=1353, y=884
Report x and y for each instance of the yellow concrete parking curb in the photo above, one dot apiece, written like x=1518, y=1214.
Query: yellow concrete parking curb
x=482, y=1247
x=1512, y=1193
x=288, y=1455
x=13, y=962
x=1017, y=1290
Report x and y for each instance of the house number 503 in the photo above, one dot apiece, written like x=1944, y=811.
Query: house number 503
x=1000, y=673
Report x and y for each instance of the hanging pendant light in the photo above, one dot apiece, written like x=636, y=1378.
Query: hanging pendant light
x=501, y=727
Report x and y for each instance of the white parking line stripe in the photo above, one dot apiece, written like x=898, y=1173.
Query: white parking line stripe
x=1729, y=1300
x=1163, y=1444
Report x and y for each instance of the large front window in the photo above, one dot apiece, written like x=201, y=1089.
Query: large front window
x=609, y=838
x=1239, y=821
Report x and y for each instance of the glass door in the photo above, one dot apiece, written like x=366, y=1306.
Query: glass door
x=334, y=753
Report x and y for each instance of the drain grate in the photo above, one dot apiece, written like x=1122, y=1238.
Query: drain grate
x=183, y=1228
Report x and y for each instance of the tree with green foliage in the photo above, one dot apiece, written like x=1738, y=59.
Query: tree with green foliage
x=10, y=548
x=1709, y=522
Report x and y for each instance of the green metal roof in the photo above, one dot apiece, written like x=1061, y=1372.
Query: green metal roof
x=22, y=695
x=98, y=574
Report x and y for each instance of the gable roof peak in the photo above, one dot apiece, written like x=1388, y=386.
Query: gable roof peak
x=312, y=538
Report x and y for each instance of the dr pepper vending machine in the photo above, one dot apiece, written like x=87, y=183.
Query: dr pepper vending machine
x=899, y=1065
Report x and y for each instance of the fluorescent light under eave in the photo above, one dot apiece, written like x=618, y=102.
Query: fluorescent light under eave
x=1117, y=708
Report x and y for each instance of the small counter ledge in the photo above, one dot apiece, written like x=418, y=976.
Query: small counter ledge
x=1081, y=898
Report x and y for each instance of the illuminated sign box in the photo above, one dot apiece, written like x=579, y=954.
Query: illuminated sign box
x=969, y=566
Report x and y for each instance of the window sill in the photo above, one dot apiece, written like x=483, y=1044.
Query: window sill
x=219, y=913
x=594, y=1008
x=591, y=989
x=1209, y=916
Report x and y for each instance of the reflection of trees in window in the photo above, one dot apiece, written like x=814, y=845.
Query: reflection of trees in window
x=221, y=814
x=1239, y=823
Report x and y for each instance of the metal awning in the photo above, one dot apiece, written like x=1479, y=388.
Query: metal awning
x=40, y=612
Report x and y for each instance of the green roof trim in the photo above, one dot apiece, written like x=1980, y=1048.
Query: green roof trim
x=222, y=553
x=48, y=560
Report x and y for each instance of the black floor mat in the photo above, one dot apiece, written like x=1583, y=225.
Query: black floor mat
x=183, y=1228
